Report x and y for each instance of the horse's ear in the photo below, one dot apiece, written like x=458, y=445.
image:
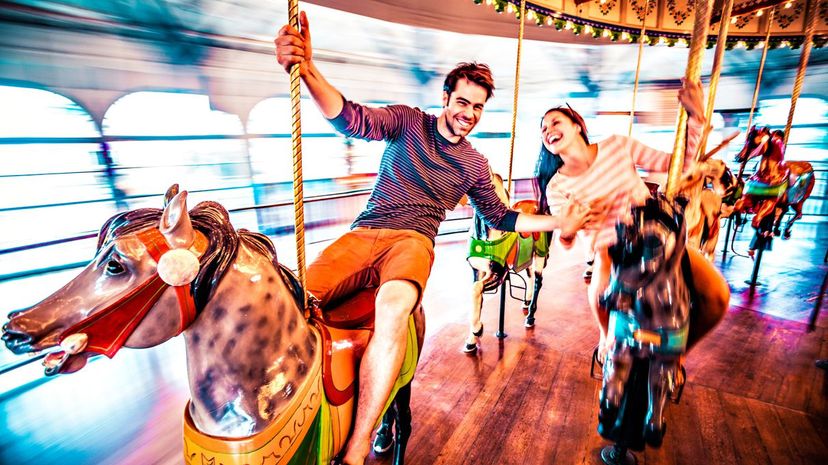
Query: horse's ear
x=171, y=192
x=175, y=222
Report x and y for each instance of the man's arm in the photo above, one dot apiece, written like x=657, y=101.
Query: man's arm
x=294, y=47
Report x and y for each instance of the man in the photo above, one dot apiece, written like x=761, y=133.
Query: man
x=428, y=165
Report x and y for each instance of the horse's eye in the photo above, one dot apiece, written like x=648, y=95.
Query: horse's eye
x=114, y=267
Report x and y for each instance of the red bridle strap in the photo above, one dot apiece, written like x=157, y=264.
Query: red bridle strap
x=108, y=329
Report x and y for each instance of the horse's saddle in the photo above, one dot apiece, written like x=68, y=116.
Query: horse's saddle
x=346, y=330
x=770, y=181
x=764, y=188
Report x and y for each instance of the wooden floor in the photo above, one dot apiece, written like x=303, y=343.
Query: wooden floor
x=753, y=393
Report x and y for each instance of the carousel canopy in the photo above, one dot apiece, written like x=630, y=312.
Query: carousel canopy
x=668, y=22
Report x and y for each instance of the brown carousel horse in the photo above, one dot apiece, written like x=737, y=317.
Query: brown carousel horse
x=266, y=384
x=493, y=254
x=712, y=190
x=776, y=186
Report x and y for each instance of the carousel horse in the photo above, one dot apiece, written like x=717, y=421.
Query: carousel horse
x=493, y=254
x=713, y=190
x=266, y=384
x=649, y=303
x=775, y=187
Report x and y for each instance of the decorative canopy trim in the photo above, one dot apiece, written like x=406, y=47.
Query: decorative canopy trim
x=669, y=22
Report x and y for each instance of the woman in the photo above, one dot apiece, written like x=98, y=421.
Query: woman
x=603, y=175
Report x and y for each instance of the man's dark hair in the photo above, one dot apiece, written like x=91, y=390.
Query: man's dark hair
x=477, y=73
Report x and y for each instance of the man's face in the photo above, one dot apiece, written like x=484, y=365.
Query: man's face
x=464, y=107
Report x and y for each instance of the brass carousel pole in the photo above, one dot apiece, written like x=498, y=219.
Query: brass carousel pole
x=758, y=83
x=692, y=74
x=296, y=139
x=638, y=64
x=714, y=75
x=501, y=333
x=811, y=17
x=515, y=98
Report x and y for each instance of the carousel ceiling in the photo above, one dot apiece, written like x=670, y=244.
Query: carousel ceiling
x=592, y=22
x=672, y=20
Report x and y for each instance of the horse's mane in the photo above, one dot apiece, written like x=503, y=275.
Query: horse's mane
x=212, y=220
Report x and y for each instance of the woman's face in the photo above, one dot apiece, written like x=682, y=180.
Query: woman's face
x=558, y=132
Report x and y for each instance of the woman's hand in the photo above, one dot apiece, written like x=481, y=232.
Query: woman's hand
x=691, y=96
x=574, y=217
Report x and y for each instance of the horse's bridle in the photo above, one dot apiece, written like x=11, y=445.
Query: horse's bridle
x=107, y=330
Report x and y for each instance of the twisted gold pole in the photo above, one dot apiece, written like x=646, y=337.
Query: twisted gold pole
x=638, y=64
x=714, y=76
x=692, y=74
x=758, y=83
x=515, y=98
x=296, y=139
x=811, y=17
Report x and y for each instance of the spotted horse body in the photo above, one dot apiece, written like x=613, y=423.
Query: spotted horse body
x=267, y=384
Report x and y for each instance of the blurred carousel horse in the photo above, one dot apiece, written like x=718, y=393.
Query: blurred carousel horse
x=775, y=187
x=649, y=303
x=265, y=382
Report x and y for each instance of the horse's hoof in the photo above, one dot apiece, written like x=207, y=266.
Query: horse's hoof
x=530, y=322
x=787, y=235
x=598, y=357
x=384, y=440
x=525, y=309
x=479, y=332
x=469, y=348
x=655, y=436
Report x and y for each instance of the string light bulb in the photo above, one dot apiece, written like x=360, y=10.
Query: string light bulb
x=606, y=33
x=734, y=19
x=549, y=21
x=759, y=13
x=760, y=44
x=788, y=5
x=568, y=25
x=510, y=8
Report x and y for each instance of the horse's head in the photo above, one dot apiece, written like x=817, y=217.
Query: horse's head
x=647, y=246
x=142, y=287
x=756, y=143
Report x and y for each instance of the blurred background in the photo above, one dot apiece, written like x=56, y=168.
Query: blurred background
x=104, y=105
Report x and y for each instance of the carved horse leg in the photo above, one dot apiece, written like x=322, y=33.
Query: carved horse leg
x=384, y=439
x=395, y=428
x=662, y=375
x=797, y=208
x=617, y=366
x=538, y=264
x=475, y=325
x=403, y=431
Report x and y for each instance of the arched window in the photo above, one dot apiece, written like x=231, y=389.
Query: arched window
x=323, y=149
x=157, y=139
x=51, y=180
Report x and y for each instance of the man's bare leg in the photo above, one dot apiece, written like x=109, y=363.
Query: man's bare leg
x=381, y=363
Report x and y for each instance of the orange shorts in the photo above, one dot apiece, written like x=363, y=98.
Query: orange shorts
x=369, y=257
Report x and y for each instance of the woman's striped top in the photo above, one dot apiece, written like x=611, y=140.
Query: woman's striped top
x=613, y=182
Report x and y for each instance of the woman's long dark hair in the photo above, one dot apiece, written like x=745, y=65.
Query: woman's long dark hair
x=549, y=163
